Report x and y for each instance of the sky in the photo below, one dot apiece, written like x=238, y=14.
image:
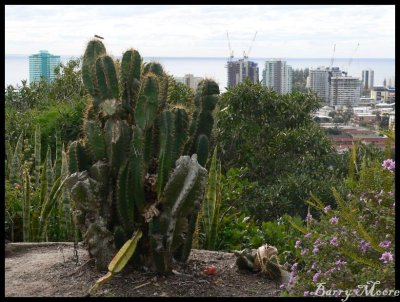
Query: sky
x=283, y=31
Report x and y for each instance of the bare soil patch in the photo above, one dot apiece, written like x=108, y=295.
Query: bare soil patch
x=52, y=270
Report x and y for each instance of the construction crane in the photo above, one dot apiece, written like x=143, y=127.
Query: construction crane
x=333, y=55
x=230, y=50
x=351, y=58
x=251, y=45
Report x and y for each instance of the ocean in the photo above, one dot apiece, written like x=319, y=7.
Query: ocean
x=17, y=67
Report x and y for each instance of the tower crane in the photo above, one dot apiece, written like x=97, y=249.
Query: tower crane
x=230, y=50
x=251, y=45
x=351, y=59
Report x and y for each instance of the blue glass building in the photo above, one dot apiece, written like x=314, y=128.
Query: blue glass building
x=42, y=65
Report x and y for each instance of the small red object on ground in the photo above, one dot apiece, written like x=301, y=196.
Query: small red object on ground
x=210, y=270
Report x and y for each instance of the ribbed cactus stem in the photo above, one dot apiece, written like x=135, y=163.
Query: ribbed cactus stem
x=107, y=78
x=94, y=49
x=130, y=78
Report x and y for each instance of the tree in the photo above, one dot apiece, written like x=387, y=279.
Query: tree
x=275, y=137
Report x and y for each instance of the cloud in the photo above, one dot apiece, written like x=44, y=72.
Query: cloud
x=200, y=30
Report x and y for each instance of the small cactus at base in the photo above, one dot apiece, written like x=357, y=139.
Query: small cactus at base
x=136, y=168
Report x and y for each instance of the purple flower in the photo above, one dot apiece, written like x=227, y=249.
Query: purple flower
x=314, y=265
x=297, y=245
x=339, y=264
x=303, y=252
x=294, y=267
x=389, y=164
x=308, y=235
x=334, y=220
x=386, y=257
x=306, y=293
x=364, y=246
x=317, y=242
x=390, y=194
x=334, y=241
x=327, y=208
x=385, y=244
x=308, y=217
x=316, y=276
x=315, y=250
x=282, y=286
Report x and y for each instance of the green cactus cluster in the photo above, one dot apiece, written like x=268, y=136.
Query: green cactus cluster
x=140, y=164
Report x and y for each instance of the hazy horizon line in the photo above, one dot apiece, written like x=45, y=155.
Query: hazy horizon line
x=222, y=57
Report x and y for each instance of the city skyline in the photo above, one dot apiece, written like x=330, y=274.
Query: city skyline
x=283, y=31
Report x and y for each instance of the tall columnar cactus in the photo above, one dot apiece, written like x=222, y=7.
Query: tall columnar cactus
x=136, y=169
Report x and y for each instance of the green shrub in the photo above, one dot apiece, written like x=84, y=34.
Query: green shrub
x=354, y=243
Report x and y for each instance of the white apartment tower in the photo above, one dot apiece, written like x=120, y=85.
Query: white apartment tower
x=344, y=91
x=318, y=81
x=189, y=80
x=278, y=76
x=367, y=80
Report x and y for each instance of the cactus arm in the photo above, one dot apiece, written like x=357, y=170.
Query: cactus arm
x=107, y=78
x=165, y=158
x=130, y=78
x=137, y=169
x=94, y=49
x=146, y=108
x=202, y=149
x=181, y=132
x=124, y=206
x=95, y=139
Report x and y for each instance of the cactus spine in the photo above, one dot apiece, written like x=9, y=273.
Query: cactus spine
x=128, y=173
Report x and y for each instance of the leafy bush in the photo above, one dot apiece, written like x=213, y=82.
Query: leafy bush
x=354, y=243
x=286, y=154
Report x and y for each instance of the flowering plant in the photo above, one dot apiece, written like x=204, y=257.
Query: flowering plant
x=352, y=244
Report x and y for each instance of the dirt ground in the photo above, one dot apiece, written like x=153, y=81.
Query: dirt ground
x=54, y=271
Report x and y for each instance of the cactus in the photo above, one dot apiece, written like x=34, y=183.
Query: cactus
x=136, y=168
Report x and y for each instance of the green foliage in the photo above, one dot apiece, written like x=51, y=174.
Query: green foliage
x=274, y=136
x=35, y=195
x=122, y=172
x=354, y=243
x=209, y=215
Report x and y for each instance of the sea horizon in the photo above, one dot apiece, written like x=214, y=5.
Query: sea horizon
x=222, y=57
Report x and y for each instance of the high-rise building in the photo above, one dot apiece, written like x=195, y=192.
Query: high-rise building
x=42, y=65
x=240, y=70
x=278, y=76
x=189, y=80
x=318, y=81
x=344, y=91
x=367, y=81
